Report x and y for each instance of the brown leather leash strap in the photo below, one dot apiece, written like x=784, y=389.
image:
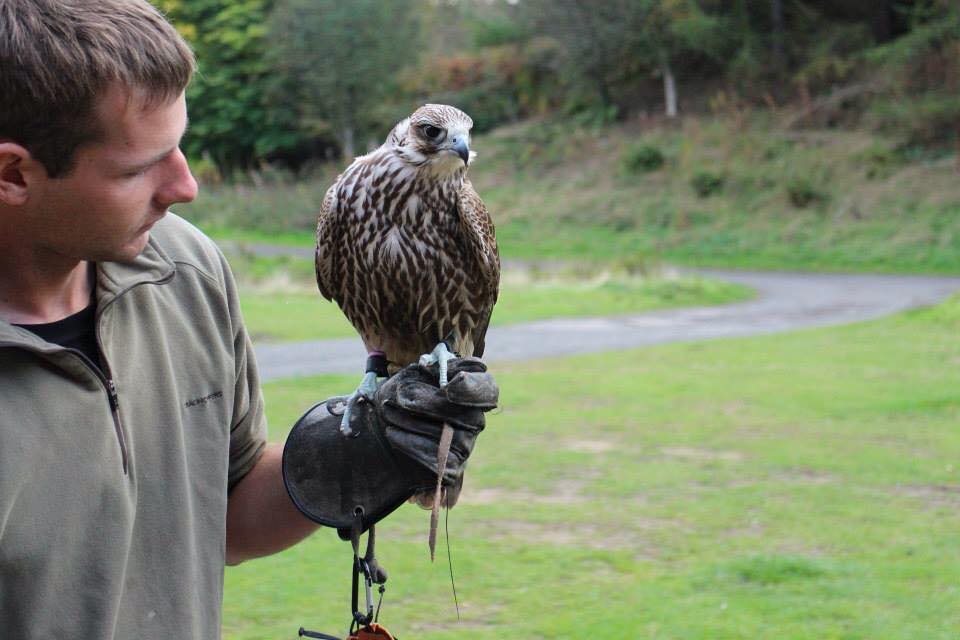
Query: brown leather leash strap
x=373, y=631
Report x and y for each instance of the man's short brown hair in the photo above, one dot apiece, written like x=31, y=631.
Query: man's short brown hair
x=58, y=57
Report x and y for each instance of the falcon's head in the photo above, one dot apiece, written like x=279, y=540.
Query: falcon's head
x=436, y=136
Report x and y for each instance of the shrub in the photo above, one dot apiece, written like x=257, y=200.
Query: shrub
x=642, y=158
x=495, y=84
x=707, y=183
x=880, y=160
x=803, y=192
x=928, y=120
x=205, y=171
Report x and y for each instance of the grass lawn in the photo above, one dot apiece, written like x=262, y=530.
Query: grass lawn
x=802, y=486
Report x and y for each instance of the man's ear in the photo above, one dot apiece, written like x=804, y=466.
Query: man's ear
x=13, y=181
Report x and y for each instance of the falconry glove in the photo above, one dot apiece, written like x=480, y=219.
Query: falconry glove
x=332, y=478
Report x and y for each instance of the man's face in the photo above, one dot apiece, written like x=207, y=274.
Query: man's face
x=119, y=187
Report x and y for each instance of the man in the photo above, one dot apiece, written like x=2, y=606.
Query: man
x=133, y=460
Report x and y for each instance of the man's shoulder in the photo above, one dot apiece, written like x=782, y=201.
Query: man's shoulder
x=183, y=243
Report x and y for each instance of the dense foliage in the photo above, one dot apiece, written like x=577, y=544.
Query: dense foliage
x=291, y=80
x=232, y=121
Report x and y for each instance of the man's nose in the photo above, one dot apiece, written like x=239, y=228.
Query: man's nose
x=180, y=185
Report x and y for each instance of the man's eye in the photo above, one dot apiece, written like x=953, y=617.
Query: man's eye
x=134, y=173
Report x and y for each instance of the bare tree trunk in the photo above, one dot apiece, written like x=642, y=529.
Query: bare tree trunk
x=349, y=146
x=779, y=49
x=956, y=147
x=882, y=21
x=669, y=89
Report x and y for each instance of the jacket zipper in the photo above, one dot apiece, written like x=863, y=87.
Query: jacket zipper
x=112, y=397
x=106, y=375
x=117, y=423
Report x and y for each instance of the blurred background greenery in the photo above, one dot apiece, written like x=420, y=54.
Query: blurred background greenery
x=775, y=133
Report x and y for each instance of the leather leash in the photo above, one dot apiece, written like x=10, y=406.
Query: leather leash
x=363, y=626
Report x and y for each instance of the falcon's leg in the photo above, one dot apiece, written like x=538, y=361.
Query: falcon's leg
x=368, y=387
x=439, y=356
x=376, y=368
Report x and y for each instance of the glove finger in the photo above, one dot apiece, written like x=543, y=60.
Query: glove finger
x=470, y=385
x=422, y=420
x=455, y=366
x=473, y=389
x=424, y=451
x=428, y=401
x=424, y=447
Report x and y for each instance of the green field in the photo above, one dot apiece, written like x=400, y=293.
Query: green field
x=802, y=485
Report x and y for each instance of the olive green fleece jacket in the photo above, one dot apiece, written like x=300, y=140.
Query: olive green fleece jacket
x=113, y=487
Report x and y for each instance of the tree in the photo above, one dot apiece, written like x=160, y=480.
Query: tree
x=231, y=120
x=778, y=35
x=610, y=44
x=342, y=59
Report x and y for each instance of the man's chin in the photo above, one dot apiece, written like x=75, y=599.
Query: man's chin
x=130, y=251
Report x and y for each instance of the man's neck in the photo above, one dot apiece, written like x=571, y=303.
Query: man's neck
x=35, y=292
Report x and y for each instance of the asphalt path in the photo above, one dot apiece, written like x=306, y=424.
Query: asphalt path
x=784, y=302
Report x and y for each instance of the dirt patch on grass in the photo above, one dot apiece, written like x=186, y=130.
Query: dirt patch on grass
x=589, y=446
x=564, y=492
x=475, y=616
x=584, y=535
x=693, y=453
x=459, y=625
x=932, y=495
x=803, y=475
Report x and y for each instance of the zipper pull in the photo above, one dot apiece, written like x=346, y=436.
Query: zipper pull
x=112, y=393
x=115, y=410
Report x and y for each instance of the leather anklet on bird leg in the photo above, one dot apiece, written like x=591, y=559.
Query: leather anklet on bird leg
x=376, y=370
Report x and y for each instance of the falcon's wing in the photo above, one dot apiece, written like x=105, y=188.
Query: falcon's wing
x=479, y=231
x=325, y=257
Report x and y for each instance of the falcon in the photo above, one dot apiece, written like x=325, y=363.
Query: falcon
x=406, y=248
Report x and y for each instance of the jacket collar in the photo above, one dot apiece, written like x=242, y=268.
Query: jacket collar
x=151, y=266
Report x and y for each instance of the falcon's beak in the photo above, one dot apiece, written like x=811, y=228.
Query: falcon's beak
x=462, y=149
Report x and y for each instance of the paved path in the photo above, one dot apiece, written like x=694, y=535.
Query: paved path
x=785, y=301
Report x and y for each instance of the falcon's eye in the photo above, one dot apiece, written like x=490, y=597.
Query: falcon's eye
x=432, y=132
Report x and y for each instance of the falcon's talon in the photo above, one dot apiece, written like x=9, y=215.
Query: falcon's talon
x=368, y=387
x=439, y=356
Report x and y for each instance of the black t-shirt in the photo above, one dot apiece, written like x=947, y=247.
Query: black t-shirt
x=74, y=332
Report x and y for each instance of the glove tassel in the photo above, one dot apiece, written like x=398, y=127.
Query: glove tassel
x=443, y=452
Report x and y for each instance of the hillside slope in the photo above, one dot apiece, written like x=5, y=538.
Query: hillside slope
x=721, y=193
x=734, y=192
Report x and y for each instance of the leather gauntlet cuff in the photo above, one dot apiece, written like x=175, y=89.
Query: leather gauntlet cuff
x=329, y=476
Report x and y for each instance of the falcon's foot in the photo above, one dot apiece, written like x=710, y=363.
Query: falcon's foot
x=439, y=356
x=368, y=387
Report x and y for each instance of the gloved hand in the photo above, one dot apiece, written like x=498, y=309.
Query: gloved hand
x=393, y=454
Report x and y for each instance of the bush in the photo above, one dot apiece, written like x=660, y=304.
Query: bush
x=880, y=160
x=495, y=85
x=205, y=171
x=928, y=120
x=642, y=158
x=803, y=192
x=707, y=183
